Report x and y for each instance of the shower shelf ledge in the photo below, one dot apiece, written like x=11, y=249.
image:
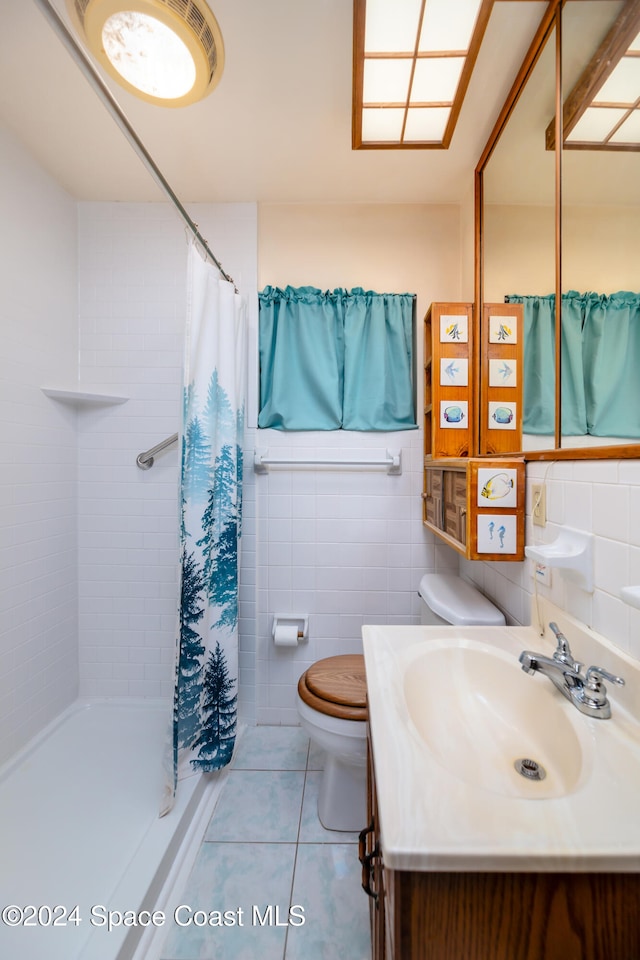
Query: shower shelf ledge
x=77, y=395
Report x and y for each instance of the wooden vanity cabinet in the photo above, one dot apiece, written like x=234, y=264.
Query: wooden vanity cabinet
x=372, y=867
x=421, y=915
x=480, y=527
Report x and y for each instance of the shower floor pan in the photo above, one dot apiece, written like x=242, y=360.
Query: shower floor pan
x=80, y=834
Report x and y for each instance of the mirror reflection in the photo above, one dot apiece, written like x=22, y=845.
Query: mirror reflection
x=519, y=235
x=600, y=248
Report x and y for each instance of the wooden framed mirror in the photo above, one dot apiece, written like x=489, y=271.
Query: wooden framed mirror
x=556, y=220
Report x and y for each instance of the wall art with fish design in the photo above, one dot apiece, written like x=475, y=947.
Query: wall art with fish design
x=502, y=416
x=503, y=329
x=497, y=488
x=454, y=328
x=454, y=414
x=503, y=373
x=454, y=372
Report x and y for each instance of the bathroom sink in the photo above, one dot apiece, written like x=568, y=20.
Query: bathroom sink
x=493, y=726
x=451, y=711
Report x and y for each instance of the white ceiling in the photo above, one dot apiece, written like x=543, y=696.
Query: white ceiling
x=277, y=128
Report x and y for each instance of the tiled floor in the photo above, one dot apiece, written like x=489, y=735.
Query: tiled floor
x=265, y=848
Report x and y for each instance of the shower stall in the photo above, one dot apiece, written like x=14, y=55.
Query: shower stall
x=85, y=859
x=92, y=313
x=93, y=339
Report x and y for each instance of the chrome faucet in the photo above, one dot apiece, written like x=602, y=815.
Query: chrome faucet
x=587, y=691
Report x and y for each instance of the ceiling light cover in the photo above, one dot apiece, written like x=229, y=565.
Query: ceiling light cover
x=412, y=64
x=169, y=52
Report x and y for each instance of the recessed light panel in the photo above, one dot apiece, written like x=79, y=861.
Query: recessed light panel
x=411, y=54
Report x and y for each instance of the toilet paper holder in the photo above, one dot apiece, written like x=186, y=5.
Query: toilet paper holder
x=289, y=629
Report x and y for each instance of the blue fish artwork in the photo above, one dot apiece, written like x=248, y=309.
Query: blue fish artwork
x=505, y=371
x=498, y=486
x=503, y=415
x=453, y=414
x=452, y=370
x=501, y=532
x=491, y=529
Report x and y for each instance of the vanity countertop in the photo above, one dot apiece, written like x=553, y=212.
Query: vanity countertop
x=448, y=796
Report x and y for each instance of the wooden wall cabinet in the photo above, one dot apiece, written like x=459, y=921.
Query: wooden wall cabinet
x=448, y=380
x=422, y=915
x=501, y=378
x=476, y=505
x=451, y=391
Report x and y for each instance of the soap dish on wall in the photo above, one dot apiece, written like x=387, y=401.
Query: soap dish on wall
x=631, y=595
x=571, y=552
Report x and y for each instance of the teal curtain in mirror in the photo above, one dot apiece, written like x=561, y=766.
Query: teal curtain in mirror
x=611, y=348
x=600, y=360
x=332, y=360
x=539, y=363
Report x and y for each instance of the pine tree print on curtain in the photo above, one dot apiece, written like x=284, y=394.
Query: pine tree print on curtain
x=206, y=670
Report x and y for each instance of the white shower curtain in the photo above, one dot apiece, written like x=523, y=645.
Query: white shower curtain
x=206, y=667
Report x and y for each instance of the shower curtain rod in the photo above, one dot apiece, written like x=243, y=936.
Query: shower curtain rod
x=120, y=117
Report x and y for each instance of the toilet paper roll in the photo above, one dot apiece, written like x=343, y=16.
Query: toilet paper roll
x=286, y=635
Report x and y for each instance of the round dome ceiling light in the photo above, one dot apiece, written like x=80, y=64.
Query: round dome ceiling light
x=169, y=52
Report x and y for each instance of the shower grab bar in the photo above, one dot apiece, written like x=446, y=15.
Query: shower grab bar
x=262, y=461
x=145, y=459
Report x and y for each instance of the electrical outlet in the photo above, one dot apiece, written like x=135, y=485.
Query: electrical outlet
x=542, y=573
x=539, y=504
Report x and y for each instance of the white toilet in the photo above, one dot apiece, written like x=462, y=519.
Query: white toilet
x=332, y=702
x=448, y=599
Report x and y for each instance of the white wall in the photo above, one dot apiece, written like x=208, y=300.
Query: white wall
x=601, y=246
x=132, y=316
x=38, y=592
x=598, y=496
x=345, y=547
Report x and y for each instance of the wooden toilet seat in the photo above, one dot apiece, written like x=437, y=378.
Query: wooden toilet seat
x=336, y=686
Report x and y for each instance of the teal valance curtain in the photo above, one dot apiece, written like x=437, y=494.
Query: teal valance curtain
x=339, y=359
x=600, y=364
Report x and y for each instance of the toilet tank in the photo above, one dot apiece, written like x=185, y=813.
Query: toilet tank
x=448, y=599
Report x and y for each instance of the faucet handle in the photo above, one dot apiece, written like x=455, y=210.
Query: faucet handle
x=598, y=674
x=594, y=688
x=562, y=652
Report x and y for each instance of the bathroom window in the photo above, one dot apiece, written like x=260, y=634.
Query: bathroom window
x=336, y=360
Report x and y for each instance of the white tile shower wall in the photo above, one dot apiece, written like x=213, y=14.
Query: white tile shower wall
x=600, y=496
x=38, y=596
x=343, y=546
x=132, y=322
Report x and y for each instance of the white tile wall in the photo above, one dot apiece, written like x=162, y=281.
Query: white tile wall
x=598, y=496
x=38, y=595
x=132, y=313
x=342, y=546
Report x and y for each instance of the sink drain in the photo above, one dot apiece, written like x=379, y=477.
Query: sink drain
x=530, y=769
